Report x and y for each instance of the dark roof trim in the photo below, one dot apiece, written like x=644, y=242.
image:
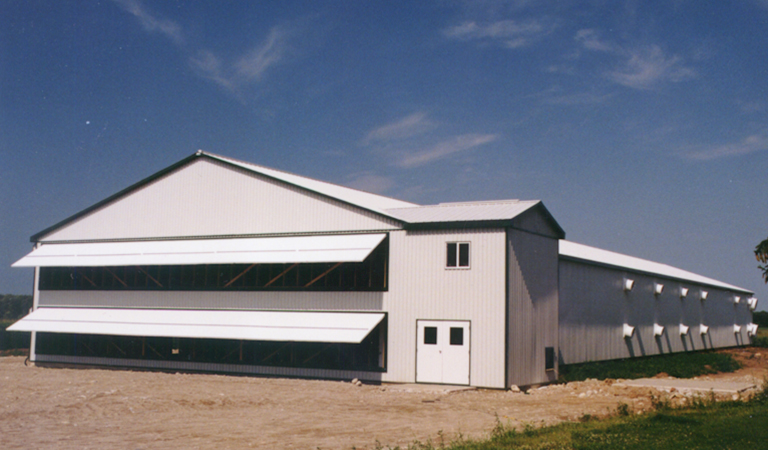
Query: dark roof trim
x=456, y=225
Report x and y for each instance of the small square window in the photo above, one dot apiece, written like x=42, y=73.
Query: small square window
x=457, y=336
x=457, y=254
x=430, y=335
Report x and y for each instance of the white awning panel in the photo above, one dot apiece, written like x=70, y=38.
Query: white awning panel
x=248, y=325
x=295, y=249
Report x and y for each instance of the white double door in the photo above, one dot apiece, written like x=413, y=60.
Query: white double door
x=442, y=352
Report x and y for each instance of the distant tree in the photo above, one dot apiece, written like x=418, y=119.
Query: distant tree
x=761, y=253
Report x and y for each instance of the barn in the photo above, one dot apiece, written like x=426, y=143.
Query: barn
x=219, y=265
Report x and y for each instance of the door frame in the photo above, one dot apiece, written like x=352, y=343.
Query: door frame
x=469, y=348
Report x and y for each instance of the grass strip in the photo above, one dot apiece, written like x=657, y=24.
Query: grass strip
x=706, y=425
x=679, y=365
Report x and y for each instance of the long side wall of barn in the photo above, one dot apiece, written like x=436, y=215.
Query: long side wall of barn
x=594, y=307
x=533, y=305
x=422, y=288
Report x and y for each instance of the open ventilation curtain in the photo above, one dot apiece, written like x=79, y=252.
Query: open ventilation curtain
x=298, y=326
x=294, y=249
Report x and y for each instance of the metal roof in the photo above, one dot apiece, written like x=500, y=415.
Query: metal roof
x=584, y=252
x=366, y=200
x=296, y=326
x=464, y=212
x=293, y=249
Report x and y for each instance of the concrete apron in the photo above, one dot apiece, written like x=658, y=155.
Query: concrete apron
x=682, y=385
x=420, y=387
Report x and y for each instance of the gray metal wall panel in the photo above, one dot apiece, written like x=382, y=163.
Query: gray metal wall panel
x=320, y=301
x=209, y=198
x=594, y=308
x=535, y=222
x=422, y=288
x=533, y=306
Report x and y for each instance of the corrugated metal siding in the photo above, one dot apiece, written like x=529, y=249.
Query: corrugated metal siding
x=212, y=367
x=422, y=288
x=303, y=301
x=594, y=308
x=533, y=306
x=209, y=198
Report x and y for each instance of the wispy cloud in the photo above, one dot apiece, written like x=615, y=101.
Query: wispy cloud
x=248, y=68
x=411, y=125
x=410, y=141
x=446, y=148
x=590, y=40
x=557, y=96
x=637, y=68
x=370, y=182
x=232, y=74
x=509, y=33
x=151, y=23
x=648, y=67
x=750, y=144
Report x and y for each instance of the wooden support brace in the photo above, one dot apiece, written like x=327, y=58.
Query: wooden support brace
x=156, y=352
x=240, y=275
x=281, y=274
x=322, y=275
x=116, y=277
x=118, y=348
x=87, y=279
x=319, y=352
x=275, y=352
x=149, y=276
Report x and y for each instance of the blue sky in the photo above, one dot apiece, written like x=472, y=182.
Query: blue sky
x=643, y=126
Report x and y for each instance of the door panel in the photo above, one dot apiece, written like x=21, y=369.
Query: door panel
x=442, y=352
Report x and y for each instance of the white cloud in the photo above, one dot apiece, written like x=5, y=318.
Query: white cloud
x=414, y=124
x=247, y=69
x=590, y=40
x=638, y=68
x=254, y=63
x=445, y=148
x=647, y=67
x=370, y=182
x=152, y=24
x=509, y=33
x=750, y=144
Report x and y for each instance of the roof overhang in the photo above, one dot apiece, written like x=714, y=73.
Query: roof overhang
x=293, y=249
x=283, y=326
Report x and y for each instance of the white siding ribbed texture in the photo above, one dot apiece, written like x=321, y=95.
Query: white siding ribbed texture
x=211, y=198
x=533, y=305
x=594, y=307
x=422, y=288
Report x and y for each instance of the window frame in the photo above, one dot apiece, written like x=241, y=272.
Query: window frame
x=457, y=251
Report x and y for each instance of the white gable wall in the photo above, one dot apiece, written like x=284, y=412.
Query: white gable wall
x=210, y=198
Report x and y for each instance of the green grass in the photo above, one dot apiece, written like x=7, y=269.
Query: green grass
x=679, y=365
x=705, y=425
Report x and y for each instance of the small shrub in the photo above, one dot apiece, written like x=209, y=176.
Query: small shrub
x=623, y=410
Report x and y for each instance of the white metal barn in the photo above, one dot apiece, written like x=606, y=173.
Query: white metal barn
x=218, y=265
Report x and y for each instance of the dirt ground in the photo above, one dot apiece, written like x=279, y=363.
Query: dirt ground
x=96, y=409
